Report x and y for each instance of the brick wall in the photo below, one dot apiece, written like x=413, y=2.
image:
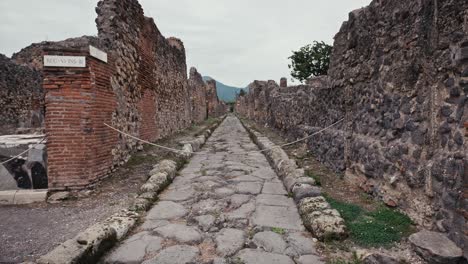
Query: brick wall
x=143, y=90
x=78, y=102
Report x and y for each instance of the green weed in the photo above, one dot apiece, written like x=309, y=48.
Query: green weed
x=381, y=227
x=278, y=230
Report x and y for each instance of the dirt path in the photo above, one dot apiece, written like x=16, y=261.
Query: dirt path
x=226, y=206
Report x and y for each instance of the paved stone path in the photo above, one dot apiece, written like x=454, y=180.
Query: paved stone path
x=226, y=206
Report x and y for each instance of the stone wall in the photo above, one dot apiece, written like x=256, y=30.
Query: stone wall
x=21, y=98
x=399, y=77
x=197, y=90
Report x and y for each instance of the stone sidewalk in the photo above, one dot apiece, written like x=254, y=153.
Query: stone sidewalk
x=226, y=206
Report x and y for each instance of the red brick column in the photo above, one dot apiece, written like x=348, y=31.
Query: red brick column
x=78, y=102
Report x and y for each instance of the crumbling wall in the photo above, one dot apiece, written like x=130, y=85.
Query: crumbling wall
x=399, y=77
x=150, y=73
x=298, y=111
x=198, y=102
x=21, y=98
x=32, y=56
x=141, y=90
x=214, y=105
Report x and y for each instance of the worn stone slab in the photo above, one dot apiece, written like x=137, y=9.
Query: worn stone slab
x=165, y=210
x=242, y=212
x=152, y=224
x=300, y=244
x=205, y=222
x=270, y=242
x=275, y=200
x=134, y=249
x=248, y=187
x=178, y=195
x=251, y=256
x=180, y=232
x=274, y=188
x=237, y=200
x=179, y=254
x=229, y=241
x=275, y=216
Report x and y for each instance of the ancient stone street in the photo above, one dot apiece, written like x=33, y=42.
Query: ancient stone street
x=226, y=206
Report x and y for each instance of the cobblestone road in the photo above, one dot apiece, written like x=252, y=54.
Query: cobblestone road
x=226, y=206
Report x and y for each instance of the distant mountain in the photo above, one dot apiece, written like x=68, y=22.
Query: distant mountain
x=226, y=93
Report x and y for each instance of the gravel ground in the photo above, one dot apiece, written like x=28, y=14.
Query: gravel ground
x=27, y=232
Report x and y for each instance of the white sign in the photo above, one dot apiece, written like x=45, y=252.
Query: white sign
x=98, y=54
x=64, y=61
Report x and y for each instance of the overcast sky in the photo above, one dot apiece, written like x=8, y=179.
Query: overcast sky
x=233, y=41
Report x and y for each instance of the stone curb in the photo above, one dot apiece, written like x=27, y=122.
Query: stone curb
x=315, y=211
x=89, y=245
x=15, y=197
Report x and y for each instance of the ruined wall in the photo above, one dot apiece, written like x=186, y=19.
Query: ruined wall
x=142, y=90
x=298, y=111
x=21, y=98
x=399, y=76
x=197, y=90
x=32, y=56
x=150, y=73
x=215, y=106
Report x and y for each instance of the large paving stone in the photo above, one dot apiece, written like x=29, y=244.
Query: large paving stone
x=251, y=256
x=152, y=224
x=205, y=222
x=207, y=206
x=248, y=187
x=265, y=172
x=229, y=241
x=178, y=195
x=275, y=216
x=239, y=199
x=275, y=200
x=135, y=248
x=435, y=247
x=274, y=188
x=242, y=212
x=223, y=192
x=166, y=210
x=300, y=244
x=270, y=242
x=180, y=254
x=180, y=232
x=245, y=178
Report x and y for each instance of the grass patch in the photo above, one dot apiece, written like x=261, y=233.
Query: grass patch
x=314, y=176
x=381, y=227
x=278, y=230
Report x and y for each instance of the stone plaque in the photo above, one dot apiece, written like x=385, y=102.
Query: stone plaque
x=98, y=54
x=64, y=61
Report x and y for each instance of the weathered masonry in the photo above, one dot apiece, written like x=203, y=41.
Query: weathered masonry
x=130, y=77
x=399, y=77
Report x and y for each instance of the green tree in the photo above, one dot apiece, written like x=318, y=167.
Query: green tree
x=310, y=60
